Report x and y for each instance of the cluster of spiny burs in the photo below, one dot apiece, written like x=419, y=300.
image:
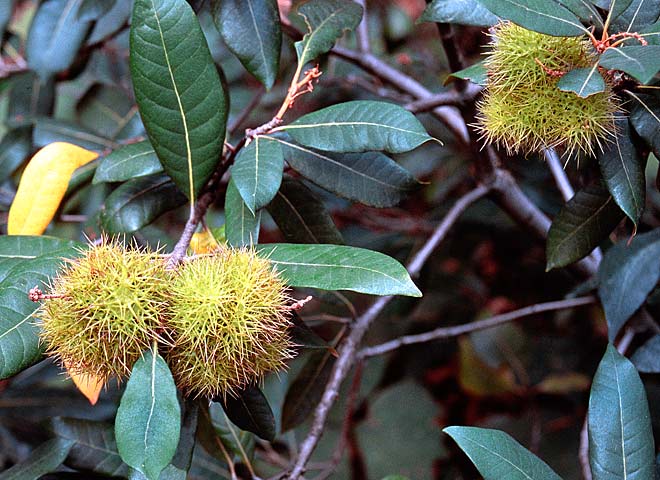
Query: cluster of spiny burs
x=221, y=320
x=524, y=111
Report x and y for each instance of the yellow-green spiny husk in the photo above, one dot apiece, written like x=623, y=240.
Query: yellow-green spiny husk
x=109, y=310
x=523, y=110
x=229, y=322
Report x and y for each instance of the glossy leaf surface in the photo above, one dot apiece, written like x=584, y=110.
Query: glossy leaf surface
x=628, y=273
x=538, y=15
x=338, y=267
x=371, y=178
x=125, y=163
x=241, y=225
x=257, y=172
x=147, y=425
x=326, y=21
x=620, y=435
x=251, y=30
x=178, y=91
x=250, y=411
x=139, y=202
x=301, y=216
x=581, y=225
x=496, y=455
x=359, y=126
x=623, y=171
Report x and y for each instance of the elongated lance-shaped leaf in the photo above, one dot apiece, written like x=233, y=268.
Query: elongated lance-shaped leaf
x=251, y=30
x=647, y=357
x=645, y=119
x=641, y=62
x=584, y=222
x=620, y=435
x=359, y=126
x=178, y=91
x=257, y=172
x=148, y=420
x=538, y=15
x=241, y=225
x=497, y=456
x=623, y=171
x=326, y=21
x=44, y=459
x=628, y=273
x=339, y=267
x=371, y=178
x=249, y=410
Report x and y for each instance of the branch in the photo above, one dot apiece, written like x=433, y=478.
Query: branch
x=558, y=173
x=454, y=331
x=362, y=324
x=362, y=30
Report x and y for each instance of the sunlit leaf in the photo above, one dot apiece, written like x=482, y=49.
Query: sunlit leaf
x=135, y=160
x=582, y=81
x=641, y=62
x=241, y=225
x=43, y=185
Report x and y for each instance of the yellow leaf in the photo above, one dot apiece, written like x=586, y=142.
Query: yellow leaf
x=203, y=242
x=43, y=185
x=88, y=385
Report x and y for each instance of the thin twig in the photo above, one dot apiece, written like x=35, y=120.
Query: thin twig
x=559, y=174
x=362, y=30
x=490, y=322
x=362, y=324
x=451, y=97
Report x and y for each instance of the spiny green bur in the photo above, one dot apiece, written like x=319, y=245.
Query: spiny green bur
x=109, y=311
x=522, y=108
x=229, y=321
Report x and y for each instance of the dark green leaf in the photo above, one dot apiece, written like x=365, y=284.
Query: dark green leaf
x=94, y=450
x=55, y=37
x=584, y=10
x=178, y=91
x=93, y=9
x=623, y=171
x=307, y=389
x=371, y=178
x=620, y=435
x=251, y=30
x=125, y=163
x=647, y=357
x=615, y=7
x=306, y=338
x=582, y=81
x=301, y=216
x=23, y=267
x=139, y=202
x=326, y=21
x=257, y=172
x=183, y=456
x=339, y=267
x=30, y=96
x=241, y=225
x=476, y=73
x=250, y=411
x=148, y=421
x=645, y=119
x=15, y=147
x=497, y=456
x=44, y=459
x=652, y=33
x=462, y=12
x=539, y=15
x=216, y=428
x=359, y=126
x=584, y=222
x=636, y=15
x=49, y=130
x=641, y=62
x=109, y=112
x=628, y=273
